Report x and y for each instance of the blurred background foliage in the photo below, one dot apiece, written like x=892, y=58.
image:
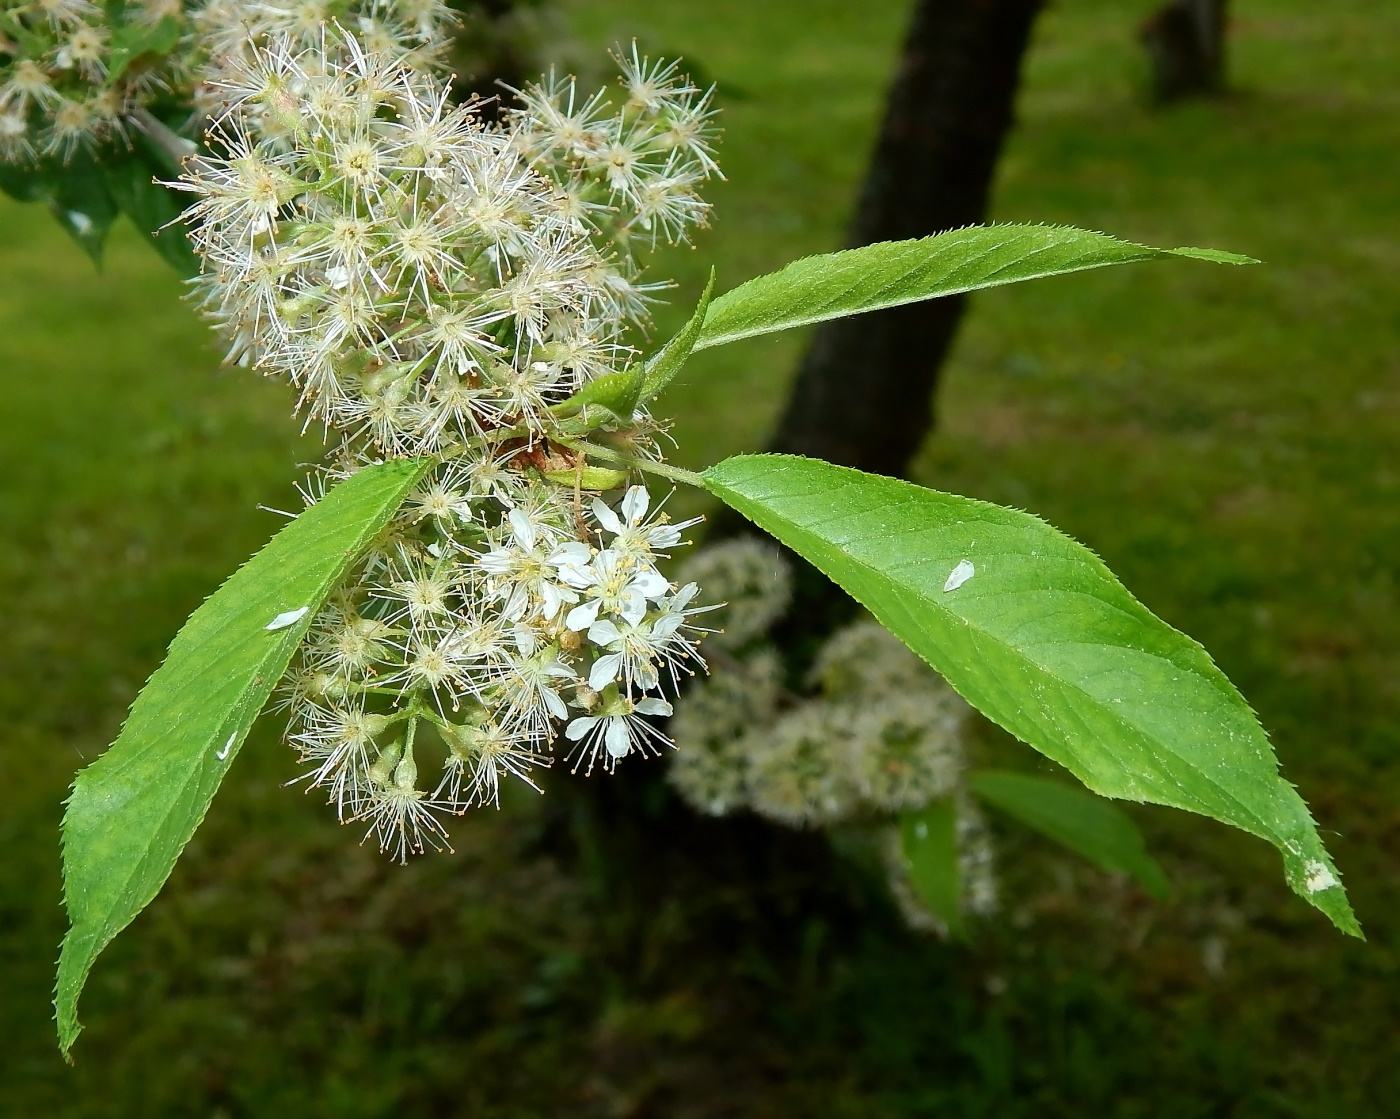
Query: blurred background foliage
x=1224, y=438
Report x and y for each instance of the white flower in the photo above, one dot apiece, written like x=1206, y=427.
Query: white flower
x=635, y=538
x=520, y=571
x=613, y=586
x=529, y=691
x=635, y=651
x=617, y=732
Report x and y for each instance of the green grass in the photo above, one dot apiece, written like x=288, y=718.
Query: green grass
x=1225, y=438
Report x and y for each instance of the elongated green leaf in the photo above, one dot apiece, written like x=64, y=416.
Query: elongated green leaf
x=1039, y=635
x=894, y=272
x=1085, y=824
x=929, y=841
x=133, y=810
x=671, y=358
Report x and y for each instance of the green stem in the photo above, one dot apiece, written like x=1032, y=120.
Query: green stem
x=607, y=454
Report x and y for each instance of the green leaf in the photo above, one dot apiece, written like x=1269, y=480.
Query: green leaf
x=1085, y=824
x=1036, y=633
x=152, y=208
x=895, y=272
x=133, y=810
x=929, y=841
x=22, y=182
x=617, y=391
x=671, y=358
x=137, y=43
x=78, y=197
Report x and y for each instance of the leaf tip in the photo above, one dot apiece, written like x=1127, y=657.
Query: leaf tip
x=1215, y=256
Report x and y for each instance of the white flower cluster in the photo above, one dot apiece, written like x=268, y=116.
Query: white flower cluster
x=229, y=35
x=883, y=735
x=432, y=292
x=633, y=174
x=405, y=265
x=74, y=73
x=477, y=641
x=56, y=57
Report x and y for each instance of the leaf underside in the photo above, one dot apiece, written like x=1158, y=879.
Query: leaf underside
x=133, y=810
x=1086, y=824
x=928, y=840
x=891, y=273
x=1045, y=641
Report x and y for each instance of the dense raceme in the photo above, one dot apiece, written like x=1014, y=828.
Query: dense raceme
x=434, y=286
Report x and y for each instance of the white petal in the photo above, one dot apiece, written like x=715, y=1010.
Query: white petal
x=651, y=582
x=553, y=703
x=579, y=727
x=523, y=529
x=606, y=517
x=495, y=563
x=654, y=707
x=959, y=575
x=618, y=741
x=581, y=617
x=604, y=633
x=604, y=671
x=515, y=605
x=633, y=607
x=664, y=536
x=665, y=626
x=573, y=553
x=525, y=640
x=634, y=505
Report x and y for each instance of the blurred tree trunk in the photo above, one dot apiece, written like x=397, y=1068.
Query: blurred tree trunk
x=864, y=393
x=862, y=398
x=1185, y=41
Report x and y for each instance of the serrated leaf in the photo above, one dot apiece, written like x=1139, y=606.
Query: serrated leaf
x=133, y=810
x=1036, y=633
x=671, y=358
x=891, y=273
x=928, y=840
x=1086, y=824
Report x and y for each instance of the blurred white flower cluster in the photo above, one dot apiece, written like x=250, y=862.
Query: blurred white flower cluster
x=74, y=73
x=432, y=288
x=883, y=734
x=67, y=75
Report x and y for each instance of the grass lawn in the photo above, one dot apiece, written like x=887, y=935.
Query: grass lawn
x=1225, y=438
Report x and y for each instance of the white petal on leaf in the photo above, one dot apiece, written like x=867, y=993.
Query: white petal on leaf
x=959, y=575
x=288, y=618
